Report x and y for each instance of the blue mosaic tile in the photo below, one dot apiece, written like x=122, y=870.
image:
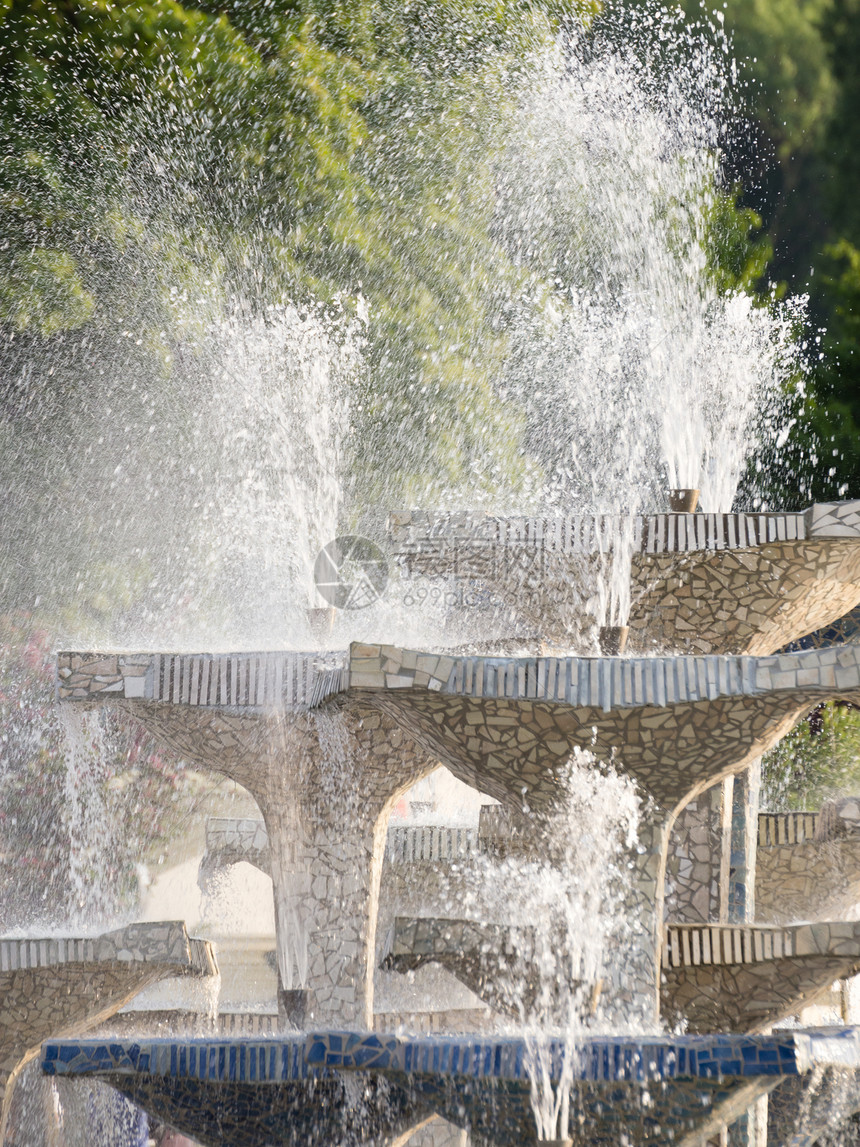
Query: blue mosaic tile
x=294, y=1089
x=598, y=1059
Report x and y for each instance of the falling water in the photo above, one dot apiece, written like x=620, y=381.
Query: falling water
x=90, y=824
x=185, y=502
x=650, y=375
x=585, y=937
x=272, y=493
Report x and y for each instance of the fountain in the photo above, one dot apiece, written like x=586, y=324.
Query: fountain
x=608, y=952
x=328, y=741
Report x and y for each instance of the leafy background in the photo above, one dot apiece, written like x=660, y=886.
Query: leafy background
x=156, y=158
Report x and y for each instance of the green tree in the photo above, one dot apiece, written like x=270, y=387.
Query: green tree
x=815, y=762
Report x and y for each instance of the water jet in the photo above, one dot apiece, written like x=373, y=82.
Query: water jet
x=480, y=655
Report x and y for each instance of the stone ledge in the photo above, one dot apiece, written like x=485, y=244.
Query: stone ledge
x=302, y=681
x=608, y=682
x=294, y=1089
x=598, y=1058
x=158, y=943
x=418, y=535
x=695, y=945
x=778, y=828
x=422, y=539
x=53, y=985
x=230, y=680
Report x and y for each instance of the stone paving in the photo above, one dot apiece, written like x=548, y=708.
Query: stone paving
x=52, y=985
x=700, y=583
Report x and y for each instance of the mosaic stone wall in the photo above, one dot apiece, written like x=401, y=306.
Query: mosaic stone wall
x=700, y=583
x=812, y=880
x=53, y=985
x=326, y=777
x=253, y=1090
x=809, y=863
x=243, y=680
x=694, y=860
x=711, y=854
x=714, y=977
x=746, y=978
x=496, y=961
x=802, y=1110
x=510, y=743
x=325, y=780
x=522, y=712
x=751, y=602
x=234, y=840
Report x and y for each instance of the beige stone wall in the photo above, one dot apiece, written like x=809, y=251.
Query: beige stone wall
x=57, y=986
x=745, y=978
x=700, y=583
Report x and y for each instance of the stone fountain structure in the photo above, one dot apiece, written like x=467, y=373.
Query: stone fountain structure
x=327, y=742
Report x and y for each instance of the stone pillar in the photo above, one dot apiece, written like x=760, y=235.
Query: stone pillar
x=727, y=789
x=634, y=989
x=710, y=866
x=325, y=876
x=693, y=860
x=744, y=844
x=326, y=806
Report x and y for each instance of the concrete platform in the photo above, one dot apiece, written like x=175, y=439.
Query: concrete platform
x=713, y=977
x=504, y=725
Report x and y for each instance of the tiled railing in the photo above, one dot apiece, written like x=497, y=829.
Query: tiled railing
x=775, y=828
x=257, y=679
x=157, y=942
x=252, y=680
x=598, y=1058
x=418, y=843
x=303, y=680
x=691, y=945
x=606, y=682
x=416, y=534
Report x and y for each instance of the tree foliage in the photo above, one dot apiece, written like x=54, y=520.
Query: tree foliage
x=817, y=761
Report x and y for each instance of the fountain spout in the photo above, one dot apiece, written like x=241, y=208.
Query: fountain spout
x=683, y=501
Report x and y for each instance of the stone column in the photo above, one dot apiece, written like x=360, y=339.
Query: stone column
x=331, y=784
x=325, y=875
x=693, y=860
x=710, y=867
x=740, y=908
x=634, y=989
